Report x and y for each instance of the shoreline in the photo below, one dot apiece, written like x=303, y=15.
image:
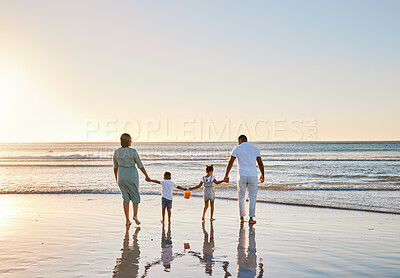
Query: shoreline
x=89, y=192
x=69, y=235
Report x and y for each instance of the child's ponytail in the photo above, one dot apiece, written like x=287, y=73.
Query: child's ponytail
x=209, y=168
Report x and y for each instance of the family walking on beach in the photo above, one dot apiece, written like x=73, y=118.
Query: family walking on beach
x=126, y=159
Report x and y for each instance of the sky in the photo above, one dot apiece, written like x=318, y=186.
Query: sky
x=199, y=70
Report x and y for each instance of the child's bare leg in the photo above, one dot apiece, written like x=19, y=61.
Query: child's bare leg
x=205, y=209
x=126, y=211
x=169, y=215
x=163, y=215
x=135, y=212
x=212, y=210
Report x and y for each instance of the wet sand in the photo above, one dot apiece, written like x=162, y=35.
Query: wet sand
x=81, y=235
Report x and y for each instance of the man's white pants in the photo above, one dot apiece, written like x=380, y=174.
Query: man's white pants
x=251, y=184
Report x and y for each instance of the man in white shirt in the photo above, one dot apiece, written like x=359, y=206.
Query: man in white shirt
x=247, y=156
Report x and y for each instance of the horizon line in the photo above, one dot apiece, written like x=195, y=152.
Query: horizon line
x=158, y=142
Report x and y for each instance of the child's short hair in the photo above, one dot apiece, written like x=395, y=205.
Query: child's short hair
x=125, y=140
x=209, y=168
x=167, y=175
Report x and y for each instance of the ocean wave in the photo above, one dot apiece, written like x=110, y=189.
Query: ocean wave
x=361, y=176
x=334, y=159
x=189, y=157
x=221, y=187
x=54, y=165
x=56, y=157
x=319, y=187
x=58, y=191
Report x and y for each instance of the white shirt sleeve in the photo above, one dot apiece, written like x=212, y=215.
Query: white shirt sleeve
x=258, y=152
x=173, y=184
x=234, y=152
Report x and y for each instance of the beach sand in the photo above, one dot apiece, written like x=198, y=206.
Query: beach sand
x=84, y=236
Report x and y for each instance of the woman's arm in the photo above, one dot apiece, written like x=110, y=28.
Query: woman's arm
x=139, y=164
x=155, y=181
x=116, y=174
x=197, y=186
x=145, y=173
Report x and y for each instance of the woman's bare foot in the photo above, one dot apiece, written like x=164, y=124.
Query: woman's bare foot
x=136, y=220
x=162, y=221
x=127, y=223
x=242, y=220
x=212, y=219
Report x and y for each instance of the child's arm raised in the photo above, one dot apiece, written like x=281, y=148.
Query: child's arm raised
x=155, y=181
x=218, y=182
x=197, y=186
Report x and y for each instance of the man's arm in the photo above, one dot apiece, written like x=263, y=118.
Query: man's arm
x=228, y=168
x=261, y=167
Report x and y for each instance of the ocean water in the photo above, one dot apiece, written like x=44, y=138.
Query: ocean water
x=359, y=175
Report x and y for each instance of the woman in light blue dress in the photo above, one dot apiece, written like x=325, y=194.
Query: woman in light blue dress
x=125, y=160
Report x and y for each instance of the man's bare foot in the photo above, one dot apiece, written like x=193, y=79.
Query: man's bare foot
x=136, y=220
x=242, y=219
x=128, y=223
x=212, y=219
x=252, y=221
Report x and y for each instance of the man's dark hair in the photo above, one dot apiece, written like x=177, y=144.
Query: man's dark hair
x=167, y=175
x=242, y=138
x=125, y=140
x=209, y=168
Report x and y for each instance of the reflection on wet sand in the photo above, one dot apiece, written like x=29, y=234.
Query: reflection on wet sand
x=166, y=248
x=167, y=256
x=208, y=249
x=246, y=259
x=208, y=252
x=247, y=263
x=128, y=264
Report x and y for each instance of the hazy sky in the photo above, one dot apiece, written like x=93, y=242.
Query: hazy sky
x=165, y=70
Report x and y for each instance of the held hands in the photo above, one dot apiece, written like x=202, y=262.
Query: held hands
x=148, y=179
x=262, y=178
x=226, y=179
